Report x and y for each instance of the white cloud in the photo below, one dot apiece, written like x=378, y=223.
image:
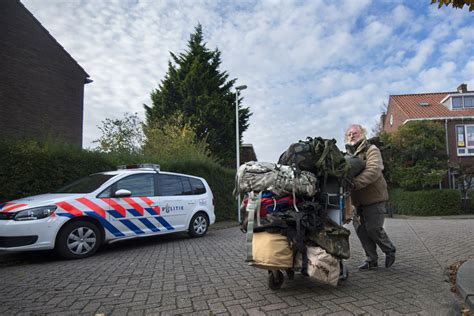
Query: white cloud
x=469, y=68
x=400, y=15
x=424, y=50
x=434, y=79
x=453, y=48
x=376, y=33
x=311, y=67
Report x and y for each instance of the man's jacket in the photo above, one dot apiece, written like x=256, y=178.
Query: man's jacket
x=369, y=186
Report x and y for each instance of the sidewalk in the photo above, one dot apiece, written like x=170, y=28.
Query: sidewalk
x=465, y=274
x=174, y=274
x=223, y=224
x=463, y=216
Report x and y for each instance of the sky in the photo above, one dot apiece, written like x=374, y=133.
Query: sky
x=311, y=67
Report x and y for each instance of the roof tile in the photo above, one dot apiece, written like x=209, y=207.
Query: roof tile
x=409, y=104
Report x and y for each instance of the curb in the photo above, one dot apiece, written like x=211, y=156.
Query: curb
x=465, y=216
x=223, y=225
x=465, y=282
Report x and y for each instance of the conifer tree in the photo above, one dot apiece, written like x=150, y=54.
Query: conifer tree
x=195, y=86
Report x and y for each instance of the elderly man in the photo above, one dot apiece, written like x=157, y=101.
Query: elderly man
x=369, y=194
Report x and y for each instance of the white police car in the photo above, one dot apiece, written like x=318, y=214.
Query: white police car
x=133, y=201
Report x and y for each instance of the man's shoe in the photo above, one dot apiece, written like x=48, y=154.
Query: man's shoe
x=368, y=265
x=389, y=260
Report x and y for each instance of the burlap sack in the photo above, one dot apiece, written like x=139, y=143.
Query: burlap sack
x=322, y=266
x=271, y=251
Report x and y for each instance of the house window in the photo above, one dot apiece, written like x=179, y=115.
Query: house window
x=462, y=102
x=465, y=140
x=457, y=102
x=469, y=102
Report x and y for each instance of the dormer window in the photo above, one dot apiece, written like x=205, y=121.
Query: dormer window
x=456, y=102
x=463, y=99
x=468, y=101
x=461, y=102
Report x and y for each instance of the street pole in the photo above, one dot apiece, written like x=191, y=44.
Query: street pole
x=237, y=140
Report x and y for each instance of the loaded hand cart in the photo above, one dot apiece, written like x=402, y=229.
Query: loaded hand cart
x=294, y=222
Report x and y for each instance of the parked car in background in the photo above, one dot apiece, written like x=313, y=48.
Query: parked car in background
x=133, y=201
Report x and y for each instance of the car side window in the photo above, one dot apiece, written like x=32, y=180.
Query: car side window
x=198, y=186
x=170, y=185
x=188, y=190
x=138, y=184
x=106, y=193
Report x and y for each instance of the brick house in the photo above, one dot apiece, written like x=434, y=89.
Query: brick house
x=455, y=110
x=41, y=85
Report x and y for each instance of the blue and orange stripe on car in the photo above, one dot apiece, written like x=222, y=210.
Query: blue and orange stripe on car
x=90, y=208
x=7, y=207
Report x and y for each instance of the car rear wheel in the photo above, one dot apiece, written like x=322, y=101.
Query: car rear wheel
x=78, y=240
x=198, y=225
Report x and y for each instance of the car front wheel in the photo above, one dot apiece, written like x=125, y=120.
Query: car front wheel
x=78, y=240
x=198, y=225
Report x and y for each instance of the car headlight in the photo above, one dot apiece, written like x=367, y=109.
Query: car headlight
x=35, y=213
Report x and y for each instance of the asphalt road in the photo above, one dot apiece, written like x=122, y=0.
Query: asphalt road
x=175, y=274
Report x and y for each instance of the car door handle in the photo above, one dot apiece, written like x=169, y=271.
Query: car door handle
x=191, y=203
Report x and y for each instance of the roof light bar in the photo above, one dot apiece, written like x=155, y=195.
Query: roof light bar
x=153, y=166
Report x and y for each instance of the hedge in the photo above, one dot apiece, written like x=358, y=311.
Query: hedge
x=30, y=168
x=425, y=203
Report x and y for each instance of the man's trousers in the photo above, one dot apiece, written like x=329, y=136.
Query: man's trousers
x=369, y=229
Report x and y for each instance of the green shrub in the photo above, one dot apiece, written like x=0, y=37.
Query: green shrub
x=425, y=203
x=30, y=167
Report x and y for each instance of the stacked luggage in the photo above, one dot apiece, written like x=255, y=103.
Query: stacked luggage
x=294, y=211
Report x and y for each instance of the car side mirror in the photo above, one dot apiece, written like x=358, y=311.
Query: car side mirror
x=122, y=193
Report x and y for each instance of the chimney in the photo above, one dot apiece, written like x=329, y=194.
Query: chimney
x=462, y=88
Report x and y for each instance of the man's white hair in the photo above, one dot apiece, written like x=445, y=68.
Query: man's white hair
x=363, y=131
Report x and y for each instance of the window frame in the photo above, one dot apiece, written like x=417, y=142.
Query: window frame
x=113, y=187
x=472, y=102
x=462, y=146
x=194, y=188
x=183, y=178
x=180, y=177
x=463, y=103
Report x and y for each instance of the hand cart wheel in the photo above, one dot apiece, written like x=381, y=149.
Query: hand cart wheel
x=275, y=279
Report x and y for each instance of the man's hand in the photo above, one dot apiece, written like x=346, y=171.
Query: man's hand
x=348, y=185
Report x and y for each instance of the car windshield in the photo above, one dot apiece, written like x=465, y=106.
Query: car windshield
x=86, y=185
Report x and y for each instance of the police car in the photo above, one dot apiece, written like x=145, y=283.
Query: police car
x=133, y=201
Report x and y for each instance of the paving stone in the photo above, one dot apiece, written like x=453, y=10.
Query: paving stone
x=295, y=309
x=91, y=307
x=236, y=310
x=319, y=311
x=237, y=302
x=217, y=308
x=255, y=312
x=341, y=313
x=208, y=276
x=273, y=307
x=140, y=312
